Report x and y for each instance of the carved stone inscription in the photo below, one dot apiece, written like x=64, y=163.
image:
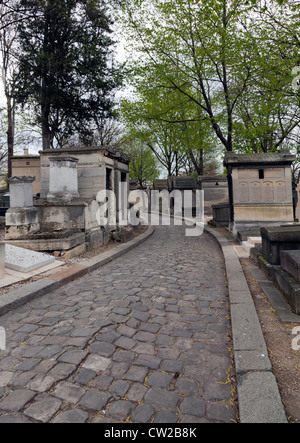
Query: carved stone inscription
x=272, y=189
x=268, y=192
x=255, y=192
x=244, y=192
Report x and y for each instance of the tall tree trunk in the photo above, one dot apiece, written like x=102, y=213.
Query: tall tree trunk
x=198, y=166
x=225, y=82
x=10, y=105
x=10, y=132
x=177, y=165
x=45, y=103
x=45, y=111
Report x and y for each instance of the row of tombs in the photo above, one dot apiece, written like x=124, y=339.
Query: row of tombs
x=255, y=202
x=65, y=217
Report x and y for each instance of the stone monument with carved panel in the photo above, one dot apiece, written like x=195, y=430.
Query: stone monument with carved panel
x=260, y=189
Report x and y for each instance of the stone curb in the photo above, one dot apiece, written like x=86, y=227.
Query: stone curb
x=258, y=394
x=30, y=291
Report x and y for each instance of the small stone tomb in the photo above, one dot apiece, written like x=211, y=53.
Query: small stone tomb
x=221, y=215
x=279, y=238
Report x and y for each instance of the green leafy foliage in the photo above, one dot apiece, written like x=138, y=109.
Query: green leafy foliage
x=143, y=164
x=227, y=64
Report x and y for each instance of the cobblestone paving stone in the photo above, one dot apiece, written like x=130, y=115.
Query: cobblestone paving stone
x=146, y=338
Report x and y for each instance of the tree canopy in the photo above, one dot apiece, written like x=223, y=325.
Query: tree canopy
x=66, y=66
x=227, y=64
x=206, y=76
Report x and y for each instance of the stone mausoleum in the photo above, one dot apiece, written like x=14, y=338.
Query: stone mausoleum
x=260, y=190
x=65, y=215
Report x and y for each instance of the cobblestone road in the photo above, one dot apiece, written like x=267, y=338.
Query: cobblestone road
x=144, y=339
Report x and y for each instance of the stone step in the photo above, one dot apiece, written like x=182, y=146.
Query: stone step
x=250, y=243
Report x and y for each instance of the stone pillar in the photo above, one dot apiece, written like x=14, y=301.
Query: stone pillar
x=2, y=260
x=63, y=179
x=21, y=218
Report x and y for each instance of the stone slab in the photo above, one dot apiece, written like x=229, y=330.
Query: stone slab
x=96, y=239
x=25, y=260
x=75, y=252
x=283, y=233
x=51, y=244
x=290, y=262
x=21, y=217
x=244, y=235
x=20, y=189
x=247, y=334
x=246, y=361
x=273, y=294
x=259, y=399
x=221, y=215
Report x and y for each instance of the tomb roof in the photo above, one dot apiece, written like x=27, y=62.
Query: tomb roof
x=260, y=158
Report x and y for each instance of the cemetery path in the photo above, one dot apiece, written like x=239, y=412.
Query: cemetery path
x=144, y=339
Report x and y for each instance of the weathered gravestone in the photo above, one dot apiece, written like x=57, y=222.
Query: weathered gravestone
x=22, y=217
